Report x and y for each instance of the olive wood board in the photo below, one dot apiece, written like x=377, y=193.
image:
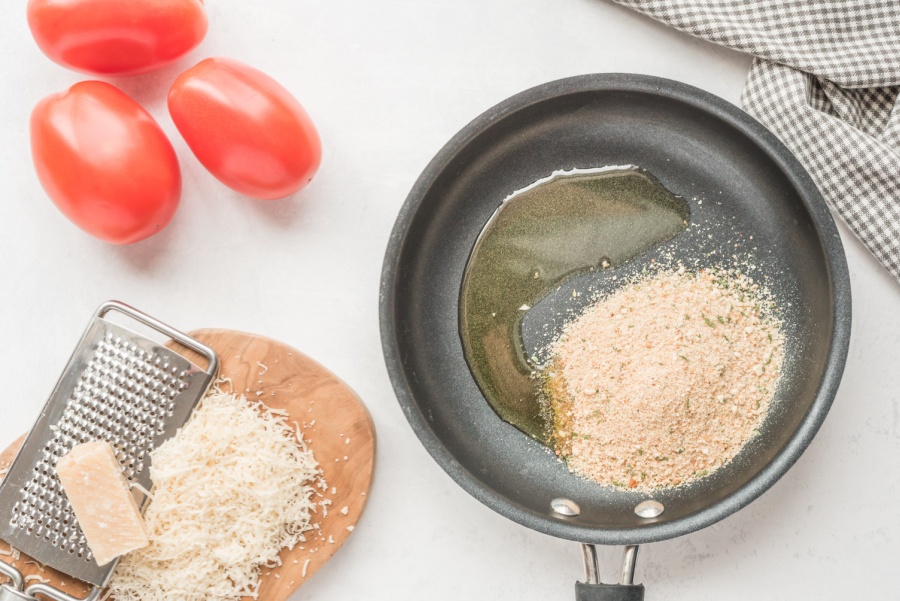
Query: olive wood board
x=335, y=424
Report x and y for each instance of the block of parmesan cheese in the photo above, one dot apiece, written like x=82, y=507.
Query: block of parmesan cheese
x=102, y=501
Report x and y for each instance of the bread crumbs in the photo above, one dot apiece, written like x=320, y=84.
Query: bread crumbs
x=665, y=380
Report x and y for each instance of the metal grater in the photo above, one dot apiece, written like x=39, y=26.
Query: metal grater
x=120, y=387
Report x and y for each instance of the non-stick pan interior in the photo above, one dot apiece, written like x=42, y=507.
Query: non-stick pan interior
x=739, y=182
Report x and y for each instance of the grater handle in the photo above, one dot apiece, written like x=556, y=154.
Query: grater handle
x=182, y=339
x=39, y=588
x=15, y=576
x=15, y=590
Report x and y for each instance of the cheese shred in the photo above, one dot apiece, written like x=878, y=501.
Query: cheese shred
x=231, y=489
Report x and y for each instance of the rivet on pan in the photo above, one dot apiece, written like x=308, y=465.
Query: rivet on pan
x=649, y=509
x=565, y=507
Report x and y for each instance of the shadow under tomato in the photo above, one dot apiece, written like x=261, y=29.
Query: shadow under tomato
x=282, y=212
x=148, y=255
x=151, y=90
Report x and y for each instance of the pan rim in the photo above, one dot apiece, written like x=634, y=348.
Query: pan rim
x=814, y=204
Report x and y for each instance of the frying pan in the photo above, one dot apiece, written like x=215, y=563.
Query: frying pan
x=739, y=181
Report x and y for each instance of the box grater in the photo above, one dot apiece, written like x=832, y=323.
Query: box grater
x=120, y=387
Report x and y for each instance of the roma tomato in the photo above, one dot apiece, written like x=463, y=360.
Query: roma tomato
x=245, y=128
x=116, y=37
x=105, y=162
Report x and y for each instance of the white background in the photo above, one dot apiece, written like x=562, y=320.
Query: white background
x=388, y=83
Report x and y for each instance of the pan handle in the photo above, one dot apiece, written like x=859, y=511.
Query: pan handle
x=609, y=592
x=594, y=590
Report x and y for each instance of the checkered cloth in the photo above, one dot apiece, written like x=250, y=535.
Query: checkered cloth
x=826, y=80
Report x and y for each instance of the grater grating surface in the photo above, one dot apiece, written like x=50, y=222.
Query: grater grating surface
x=120, y=387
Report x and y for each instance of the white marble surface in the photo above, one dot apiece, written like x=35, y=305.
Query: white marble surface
x=388, y=83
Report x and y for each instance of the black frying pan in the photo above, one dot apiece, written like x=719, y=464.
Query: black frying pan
x=700, y=147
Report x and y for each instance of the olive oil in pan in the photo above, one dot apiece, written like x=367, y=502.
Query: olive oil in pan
x=537, y=239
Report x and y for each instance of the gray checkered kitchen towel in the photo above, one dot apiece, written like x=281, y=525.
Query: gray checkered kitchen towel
x=825, y=80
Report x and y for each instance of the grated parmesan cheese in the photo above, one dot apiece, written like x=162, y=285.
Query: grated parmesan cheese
x=230, y=490
x=141, y=489
x=36, y=564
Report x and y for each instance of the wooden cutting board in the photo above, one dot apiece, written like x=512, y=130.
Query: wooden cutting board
x=335, y=424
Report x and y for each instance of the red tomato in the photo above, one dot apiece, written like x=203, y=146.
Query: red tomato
x=116, y=37
x=245, y=128
x=105, y=162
